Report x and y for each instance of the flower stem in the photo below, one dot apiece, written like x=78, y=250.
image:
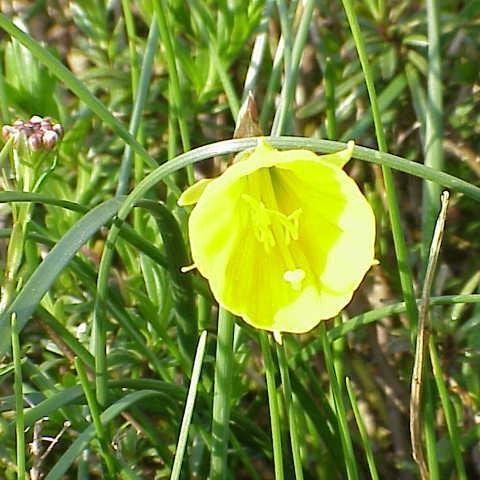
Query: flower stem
x=221, y=395
x=95, y=414
x=363, y=432
x=289, y=405
x=18, y=390
x=345, y=438
x=273, y=406
x=433, y=146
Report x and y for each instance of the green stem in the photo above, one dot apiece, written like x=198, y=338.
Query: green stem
x=330, y=80
x=284, y=16
x=222, y=395
x=433, y=147
x=161, y=8
x=140, y=92
x=363, y=432
x=99, y=335
x=447, y=410
x=95, y=414
x=289, y=405
x=288, y=89
x=18, y=391
x=273, y=406
x=350, y=463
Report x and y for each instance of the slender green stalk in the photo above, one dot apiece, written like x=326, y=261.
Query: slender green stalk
x=330, y=81
x=161, y=9
x=349, y=456
x=233, y=101
x=363, y=432
x=338, y=349
x=290, y=407
x=204, y=308
x=273, y=406
x=433, y=147
x=140, y=91
x=132, y=38
x=448, y=411
x=18, y=391
x=284, y=16
x=273, y=81
x=99, y=334
x=395, y=309
x=189, y=404
x=95, y=414
x=393, y=207
x=222, y=396
x=25, y=170
x=258, y=52
x=288, y=89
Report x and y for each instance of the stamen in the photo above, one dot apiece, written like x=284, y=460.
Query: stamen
x=264, y=220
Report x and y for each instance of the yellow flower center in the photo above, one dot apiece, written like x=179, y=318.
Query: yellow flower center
x=273, y=228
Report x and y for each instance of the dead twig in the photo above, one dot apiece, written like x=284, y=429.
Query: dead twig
x=422, y=342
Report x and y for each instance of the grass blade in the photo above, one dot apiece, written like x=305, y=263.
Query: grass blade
x=190, y=403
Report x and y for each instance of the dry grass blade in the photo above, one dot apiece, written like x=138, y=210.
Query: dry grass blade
x=422, y=342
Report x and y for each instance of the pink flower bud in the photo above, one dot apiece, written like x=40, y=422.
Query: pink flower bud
x=35, y=142
x=49, y=139
x=58, y=129
x=7, y=131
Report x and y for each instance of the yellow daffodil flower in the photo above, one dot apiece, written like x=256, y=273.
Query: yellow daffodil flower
x=283, y=237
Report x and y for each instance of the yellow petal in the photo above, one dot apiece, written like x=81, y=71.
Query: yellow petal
x=338, y=229
x=339, y=158
x=275, y=157
x=191, y=195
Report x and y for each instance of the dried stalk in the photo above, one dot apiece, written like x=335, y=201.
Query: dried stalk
x=422, y=342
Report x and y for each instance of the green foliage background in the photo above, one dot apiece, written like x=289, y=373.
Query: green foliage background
x=109, y=329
